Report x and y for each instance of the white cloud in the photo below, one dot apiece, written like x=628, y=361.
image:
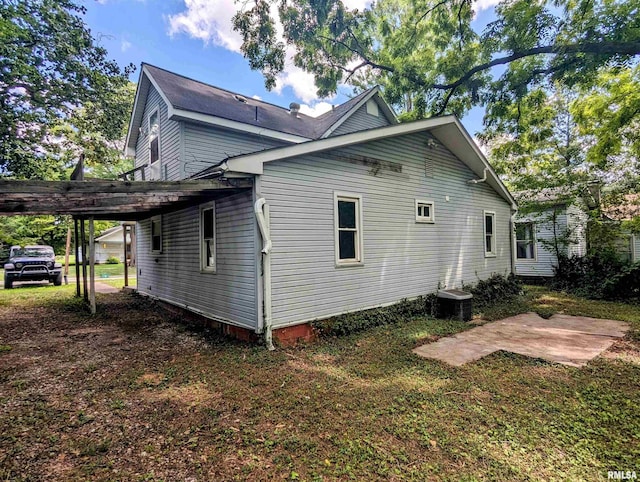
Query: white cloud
x=125, y=45
x=316, y=109
x=256, y=97
x=209, y=21
x=480, y=5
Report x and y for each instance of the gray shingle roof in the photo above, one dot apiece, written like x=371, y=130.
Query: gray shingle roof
x=194, y=96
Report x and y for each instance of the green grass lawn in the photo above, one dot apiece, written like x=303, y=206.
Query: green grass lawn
x=133, y=394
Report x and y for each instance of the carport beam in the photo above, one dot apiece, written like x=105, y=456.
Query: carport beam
x=126, y=270
x=76, y=243
x=92, y=267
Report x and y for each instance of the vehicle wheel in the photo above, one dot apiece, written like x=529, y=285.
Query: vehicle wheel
x=57, y=281
x=8, y=283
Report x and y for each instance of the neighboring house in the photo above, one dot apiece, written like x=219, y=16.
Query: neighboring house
x=558, y=222
x=111, y=245
x=628, y=243
x=347, y=211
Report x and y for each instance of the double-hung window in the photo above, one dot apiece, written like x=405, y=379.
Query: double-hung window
x=489, y=233
x=208, y=237
x=156, y=234
x=348, y=229
x=525, y=241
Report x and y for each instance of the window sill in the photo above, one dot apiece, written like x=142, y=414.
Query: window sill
x=208, y=270
x=490, y=255
x=526, y=260
x=425, y=221
x=350, y=265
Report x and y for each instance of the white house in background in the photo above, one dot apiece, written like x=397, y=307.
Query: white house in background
x=346, y=211
x=560, y=222
x=111, y=244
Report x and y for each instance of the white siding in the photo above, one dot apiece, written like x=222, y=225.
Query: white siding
x=360, y=120
x=174, y=275
x=206, y=146
x=577, y=220
x=171, y=166
x=545, y=232
x=402, y=258
x=636, y=247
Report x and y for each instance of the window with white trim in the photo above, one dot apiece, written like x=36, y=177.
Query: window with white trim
x=525, y=241
x=425, y=212
x=156, y=234
x=154, y=137
x=348, y=227
x=208, y=237
x=489, y=233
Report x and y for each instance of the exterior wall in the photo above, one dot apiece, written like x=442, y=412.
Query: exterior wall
x=229, y=294
x=112, y=249
x=577, y=219
x=402, y=258
x=205, y=146
x=636, y=247
x=546, y=258
x=360, y=120
x=170, y=159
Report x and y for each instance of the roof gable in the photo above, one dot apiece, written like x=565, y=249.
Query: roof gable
x=189, y=99
x=447, y=130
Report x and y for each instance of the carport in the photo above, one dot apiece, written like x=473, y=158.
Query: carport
x=89, y=200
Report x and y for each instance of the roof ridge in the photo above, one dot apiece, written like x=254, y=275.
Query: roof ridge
x=223, y=89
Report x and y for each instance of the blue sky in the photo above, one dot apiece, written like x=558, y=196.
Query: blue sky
x=194, y=38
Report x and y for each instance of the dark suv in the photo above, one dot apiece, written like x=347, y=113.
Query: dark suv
x=32, y=263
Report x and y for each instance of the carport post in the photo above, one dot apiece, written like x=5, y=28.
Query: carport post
x=92, y=268
x=125, y=227
x=83, y=236
x=76, y=242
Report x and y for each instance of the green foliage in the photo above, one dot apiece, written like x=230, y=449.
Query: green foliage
x=429, y=58
x=112, y=260
x=599, y=276
x=495, y=289
x=55, y=80
x=388, y=315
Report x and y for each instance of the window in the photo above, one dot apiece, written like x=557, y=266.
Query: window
x=348, y=226
x=424, y=211
x=525, y=241
x=156, y=234
x=489, y=233
x=208, y=237
x=154, y=140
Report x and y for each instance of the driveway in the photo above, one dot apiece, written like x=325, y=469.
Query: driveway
x=569, y=340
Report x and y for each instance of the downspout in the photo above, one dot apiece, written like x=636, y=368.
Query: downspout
x=262, y=212
x=477, y=181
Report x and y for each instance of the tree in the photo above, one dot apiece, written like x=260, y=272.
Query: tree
x=429, y=58
x=51, y=69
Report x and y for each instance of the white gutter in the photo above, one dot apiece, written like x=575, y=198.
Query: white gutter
x=512, y=227
x=262, y=212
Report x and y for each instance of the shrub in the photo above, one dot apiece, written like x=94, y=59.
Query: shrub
x=495, y=289
x=598, y=276
x=112, y=260
x=388, y=315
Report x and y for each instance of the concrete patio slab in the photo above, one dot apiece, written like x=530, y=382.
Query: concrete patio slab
x=569, y=340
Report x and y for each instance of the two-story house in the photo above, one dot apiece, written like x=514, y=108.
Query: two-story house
x=346, y=211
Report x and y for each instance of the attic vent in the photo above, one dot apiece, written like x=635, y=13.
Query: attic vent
x=428, y=167
x=240, y=98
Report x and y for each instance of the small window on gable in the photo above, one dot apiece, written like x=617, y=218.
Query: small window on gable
x=525, y=241
x=156, y=234
x=208, y=237
x=372, y=107
x=489, y=233
x=348, y=226
x=425, y=212
x=154, y=137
